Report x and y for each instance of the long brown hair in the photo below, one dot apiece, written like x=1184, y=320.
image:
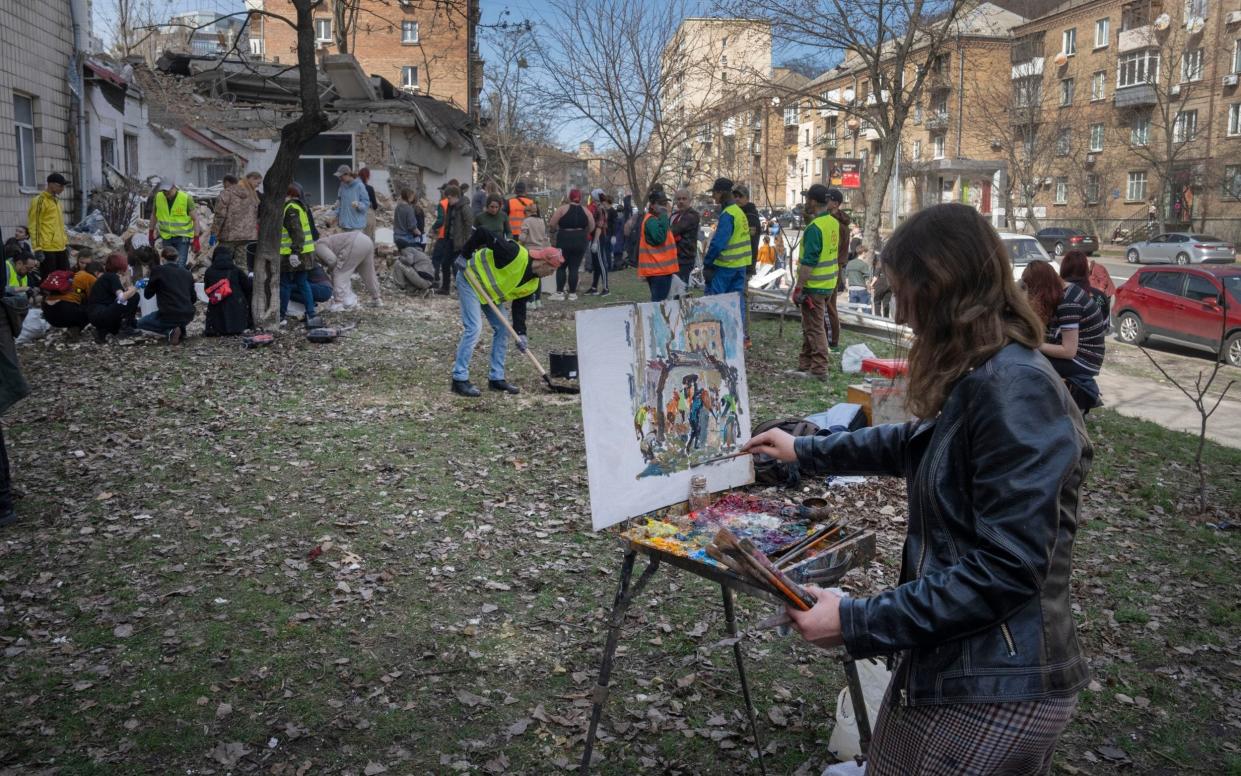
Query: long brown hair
x=1044, y=288
x=954, y=285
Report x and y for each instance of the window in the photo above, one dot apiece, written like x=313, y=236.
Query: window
x=131, y=155
x=790, y=116
x=1191, y=65
x=320, y=158
x=940, y=106
x=23, y=112
x=937, y=147
x=323, y=30
x=1092, y=189
x=1102, y=31
x=1136, y=191
x=918, y=113
x=1096, y=138
x=1066, y=92
x=1199, y=289
x=1068, y=41
x=1140, y=132
x=1236, y=56
x=1062, y=190
x=940, y=64
x=107, y=153
x=1098, y=86
x=1185, y=128
x=917, y=149
x=1028, y=91
x=1232, y=181
x=1136, y=68
x=1063, y=139
x=1134, y=15
x=1167, y=282
x=409, y=31
x=1195, y=9
x=1234, y=119
x=409, y=77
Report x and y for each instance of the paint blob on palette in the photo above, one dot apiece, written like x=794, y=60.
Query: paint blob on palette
x=771, y=525
x=663, y=391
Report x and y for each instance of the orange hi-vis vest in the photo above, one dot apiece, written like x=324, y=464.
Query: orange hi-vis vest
x=443, y=224
x=517, y=207
x=656, y=260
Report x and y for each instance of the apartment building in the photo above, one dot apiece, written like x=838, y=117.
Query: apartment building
x=426, y=46
x=945, y=155
x=35, y=105
x=712, y=69
x=1142, y=100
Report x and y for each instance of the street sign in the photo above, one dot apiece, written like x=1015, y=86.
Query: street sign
x=846, y=173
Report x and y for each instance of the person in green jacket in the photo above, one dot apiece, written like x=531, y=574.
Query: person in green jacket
x=816, y=281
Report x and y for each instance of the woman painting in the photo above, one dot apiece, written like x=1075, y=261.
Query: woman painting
x=989, y=664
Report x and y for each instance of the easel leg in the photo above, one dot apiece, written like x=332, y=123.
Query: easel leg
x=624, y=597
x=859, y=707
x=730, y=623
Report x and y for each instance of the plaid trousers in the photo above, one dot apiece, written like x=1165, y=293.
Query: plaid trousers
x=979, y=739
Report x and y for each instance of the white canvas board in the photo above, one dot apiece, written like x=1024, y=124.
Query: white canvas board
x=663, y=386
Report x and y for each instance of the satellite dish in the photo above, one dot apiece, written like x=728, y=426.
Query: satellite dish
x=1195, y=25
x=1061, y=59
x=1163, y=21
x=849, y=94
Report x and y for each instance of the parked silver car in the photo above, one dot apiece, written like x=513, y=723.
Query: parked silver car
x=1181, y=248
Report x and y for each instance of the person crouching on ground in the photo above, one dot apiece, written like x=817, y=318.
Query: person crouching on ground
x=113, y=300
x=989, y=664
x=500, y=270
x=657, y=247
x=346, y=253
x=172, y=287
x=228, y=315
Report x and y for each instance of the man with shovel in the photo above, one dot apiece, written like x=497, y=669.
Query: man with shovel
x=497, y=271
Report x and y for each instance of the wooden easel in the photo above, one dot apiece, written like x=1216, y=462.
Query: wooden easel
x=729, y=584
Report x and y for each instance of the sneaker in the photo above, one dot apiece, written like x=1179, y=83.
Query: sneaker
x=466, y=388
x=589, y=292
x=572, y=297
x=283, y=322
x=604, y=292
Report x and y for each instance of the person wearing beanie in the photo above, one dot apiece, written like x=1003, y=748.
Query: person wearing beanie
x=571, y=226
x=817, y=275
x=497, y=271
x=518, y=208
x=729, y=253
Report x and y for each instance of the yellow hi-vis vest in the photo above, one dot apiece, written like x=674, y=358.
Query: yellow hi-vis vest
x=175, y=221
x=308, y=237
x=15, y=280
x=500, y=284
x=737, y=252
x=824, y=274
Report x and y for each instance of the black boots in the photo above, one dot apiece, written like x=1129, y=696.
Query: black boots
x=466, y=388
x=504, y=386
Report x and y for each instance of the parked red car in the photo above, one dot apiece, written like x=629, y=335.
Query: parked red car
x=1198, y=306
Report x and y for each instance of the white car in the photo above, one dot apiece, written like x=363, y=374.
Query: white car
x=1023, y=249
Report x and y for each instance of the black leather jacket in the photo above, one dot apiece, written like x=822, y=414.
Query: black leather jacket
x=982, y=613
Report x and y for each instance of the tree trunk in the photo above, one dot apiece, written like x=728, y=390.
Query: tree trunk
x=879, y=188
x=265, y=303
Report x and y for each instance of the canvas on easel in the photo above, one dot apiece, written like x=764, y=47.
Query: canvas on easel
x=663, y=389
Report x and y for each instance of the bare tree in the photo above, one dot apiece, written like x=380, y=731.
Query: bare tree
x=601, y=63
x=889, y=46
x=515, y=137
x=126, y=24
x=1087, y=170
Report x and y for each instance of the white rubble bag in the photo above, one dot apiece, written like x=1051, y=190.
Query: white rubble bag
x=677, y=288
x=851, y=359
x=874, y=677
x=34, y=327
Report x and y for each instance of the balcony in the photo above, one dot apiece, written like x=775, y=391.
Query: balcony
x=1030, y=67
x=939, y=81
x=1136, y=38
x=1135, y=96
x=825, y=140
x=870, y=133
x=936, y=121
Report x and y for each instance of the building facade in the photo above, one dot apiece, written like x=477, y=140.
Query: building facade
x=425, y=46
x=1146, y=114
x=35, y=105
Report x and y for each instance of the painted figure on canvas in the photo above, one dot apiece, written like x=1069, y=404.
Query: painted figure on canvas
x=683, y=387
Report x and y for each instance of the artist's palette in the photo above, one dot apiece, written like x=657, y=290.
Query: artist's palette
x=771, y=525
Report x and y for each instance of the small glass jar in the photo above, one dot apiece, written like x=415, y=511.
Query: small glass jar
x=699, y=497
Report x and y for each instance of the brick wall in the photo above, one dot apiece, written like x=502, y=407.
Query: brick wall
x=442, y=54
x=37, y=40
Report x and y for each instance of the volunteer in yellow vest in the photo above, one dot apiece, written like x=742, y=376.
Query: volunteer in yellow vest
x=497, y=271
x=729, y=253
x=519, y=206
x=46, y=225
x=174, y=220
x=657, y=248
x=297, y=254
x=18, y=273
x=817, y=274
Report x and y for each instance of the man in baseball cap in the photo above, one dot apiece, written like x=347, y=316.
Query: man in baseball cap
x=45, y=224
x=817, y=273
x=352, y=200
x=730, y=251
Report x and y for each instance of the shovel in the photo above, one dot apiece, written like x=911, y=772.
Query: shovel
x=547, y=380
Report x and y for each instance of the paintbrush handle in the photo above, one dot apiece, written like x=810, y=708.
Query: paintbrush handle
x=719, y=458
x=795, y=590
x=794, y=595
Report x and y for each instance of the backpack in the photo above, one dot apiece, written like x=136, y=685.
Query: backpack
x=769, y=471
x=58, y=282
x=219, y=291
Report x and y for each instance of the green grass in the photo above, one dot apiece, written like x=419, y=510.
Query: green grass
x=246, y=461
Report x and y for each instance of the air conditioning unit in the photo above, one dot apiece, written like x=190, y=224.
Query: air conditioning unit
x=1174, y=90
x=1091, y=158
x=1233, y=17
x=1231, y=79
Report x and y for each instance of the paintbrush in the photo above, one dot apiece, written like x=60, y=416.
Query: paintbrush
x=805, y=545
x=719, y=458
x=760, y=568
x=733, y=564
x=756, y=555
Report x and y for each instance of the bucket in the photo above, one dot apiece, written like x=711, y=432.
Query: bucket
x=563, y=364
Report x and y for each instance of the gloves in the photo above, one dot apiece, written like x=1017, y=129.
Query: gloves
x=523, y=344
x=799, y=295
x=294, y=261
x=196, y=245
x=151, y=237
x=708, y=272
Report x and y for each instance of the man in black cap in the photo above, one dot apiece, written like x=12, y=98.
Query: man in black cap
x=817, y=275
x=46, y=225
x=729, y=253
x=832, y=318
x=742, y=194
